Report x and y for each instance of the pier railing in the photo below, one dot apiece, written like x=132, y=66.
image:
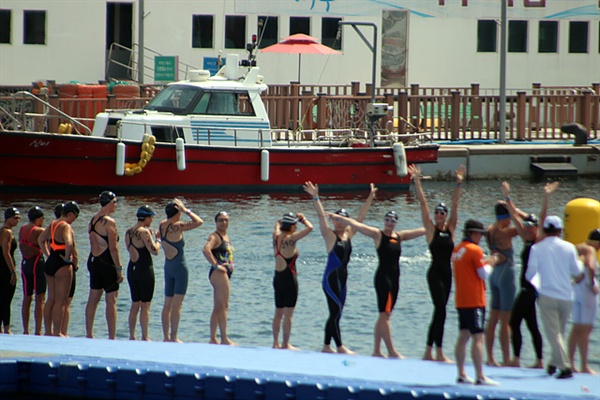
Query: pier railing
x=460, y=113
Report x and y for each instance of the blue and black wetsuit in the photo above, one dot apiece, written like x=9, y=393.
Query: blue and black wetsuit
x=524, y=309
x=140, y=274
x=334, y=286
x=387, y=276
x=439, y=280
x=176, y=272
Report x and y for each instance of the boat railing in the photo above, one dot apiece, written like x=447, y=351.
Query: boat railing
x=349, y=137
x=30, y=112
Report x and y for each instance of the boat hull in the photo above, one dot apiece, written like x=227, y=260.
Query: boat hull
x=36, y=162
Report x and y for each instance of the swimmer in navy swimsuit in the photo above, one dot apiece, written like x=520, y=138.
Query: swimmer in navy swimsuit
x=219, y=252
x=104, y=265
x=502, y=283
x=439, y=233
x=58, y=245
x=8, y=269
x=285, y=281
x=339, y=247
x=170, y=232
x=140, y=272
x=32, y=270
x=387, y=276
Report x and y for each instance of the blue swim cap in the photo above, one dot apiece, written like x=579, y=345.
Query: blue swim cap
x=35, y=213
x=144, y=212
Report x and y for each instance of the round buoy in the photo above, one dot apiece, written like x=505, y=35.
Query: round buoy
x=582, y=216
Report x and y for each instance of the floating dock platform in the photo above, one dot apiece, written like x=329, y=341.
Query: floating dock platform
x=34, y=367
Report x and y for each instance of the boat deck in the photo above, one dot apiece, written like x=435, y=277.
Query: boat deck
x=101, y=369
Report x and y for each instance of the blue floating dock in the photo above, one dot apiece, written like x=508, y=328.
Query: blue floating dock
x=50, y=367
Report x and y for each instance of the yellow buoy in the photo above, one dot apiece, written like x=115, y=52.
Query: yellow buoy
x=581, y=217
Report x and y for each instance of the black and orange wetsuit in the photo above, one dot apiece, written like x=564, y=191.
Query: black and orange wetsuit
x=387, y=275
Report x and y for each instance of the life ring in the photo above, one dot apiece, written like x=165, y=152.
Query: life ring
x=146, y=152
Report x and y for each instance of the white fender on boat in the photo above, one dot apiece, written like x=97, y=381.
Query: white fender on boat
x=120, y=170
x=400, y=160
x=180, y=152
x=264, y=165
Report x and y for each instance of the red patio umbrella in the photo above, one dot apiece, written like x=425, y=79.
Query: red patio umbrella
x=299, y=44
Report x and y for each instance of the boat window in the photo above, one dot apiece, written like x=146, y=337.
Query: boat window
x=224, y=103
x=175, y=99
x=167, y=134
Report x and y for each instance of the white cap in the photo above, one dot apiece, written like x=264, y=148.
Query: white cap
x=553, y=222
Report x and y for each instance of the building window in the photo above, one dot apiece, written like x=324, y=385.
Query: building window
x=235, y=32
x=202, y=31
x=578, y=37
x=5, y=26
x=329, y=33
x=34, y=27
x=517, y=36
x=268, y=31
x=486, y=36
x=300, y=25
x=548, y=37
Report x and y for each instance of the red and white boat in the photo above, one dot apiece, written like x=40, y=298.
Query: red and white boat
x=208, y=134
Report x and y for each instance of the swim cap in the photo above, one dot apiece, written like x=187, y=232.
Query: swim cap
x=11, y=212
x=71, y=206
x=342, y=212
x=289, y=219
x=106, y=197
x=35, y=213
x=530, y=220
x=145, y=211
x=501, y=211
x=221, y=213
x=58, y=210
x=473, y=225
x=594, y=235
x=392, y=214
x=441, y=207
x=171, y=210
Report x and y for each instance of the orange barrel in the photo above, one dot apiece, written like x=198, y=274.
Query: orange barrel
x=126, y=91
x=68, y=90
x=99, y=93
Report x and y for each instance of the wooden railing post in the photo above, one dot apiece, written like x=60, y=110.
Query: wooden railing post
x=521, y=115
x=455, y=115
x=586, y=110
x=389, y=118
x=415, y=102
x=402, y=111
x=294, y=100
x=355, y=88
x=53, y=122
x=595, y=124
x=369, y=89
x=475, y=124
x=321, y=111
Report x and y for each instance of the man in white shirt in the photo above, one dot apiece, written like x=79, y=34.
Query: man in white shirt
x=555, y=262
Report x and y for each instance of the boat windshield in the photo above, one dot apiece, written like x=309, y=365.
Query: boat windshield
x=223, y=102
x=175, y=98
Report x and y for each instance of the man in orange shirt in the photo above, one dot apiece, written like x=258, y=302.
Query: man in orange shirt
x=470, y=272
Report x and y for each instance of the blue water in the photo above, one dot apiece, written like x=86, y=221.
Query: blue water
x=251, y=303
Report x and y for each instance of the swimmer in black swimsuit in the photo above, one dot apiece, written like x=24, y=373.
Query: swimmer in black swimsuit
x=439, y=233
x=140, y=272
x=285, y=281
x=58, y=245
x=8, y=269
x=339, y=248
x=104, y=265
x=387, y=277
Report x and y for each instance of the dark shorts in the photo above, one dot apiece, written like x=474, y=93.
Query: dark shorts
x=141, y=282
x=34, y=278
x=103, y=274
x=471, y=319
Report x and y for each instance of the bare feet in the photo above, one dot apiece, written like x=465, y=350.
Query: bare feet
x=538, y=365
x=515, y=362
x=395, y=354
x=378, y=354
x=289, y=347
x=343, y=350
x=588, y=370
x=176, y=340
x=327, y=349
x=275, y=346
x=492, y=363
x=228, y=342
x=146, y=339
x=213, y=341
x=444, y=359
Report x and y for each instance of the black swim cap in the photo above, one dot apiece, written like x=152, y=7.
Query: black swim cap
x=530, y=220
x=594, y=235
x=288, y=220
x=144, y=212
x=58, y=210
x=342, y=212
x=35, y=213
x=106, y=197
x=392, y=214
x=171, y=210
x=11, y=212
x=501, y=211
x=441, y=207
x=221, y=213
x=71, y=207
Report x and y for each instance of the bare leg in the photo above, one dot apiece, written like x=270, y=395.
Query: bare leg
x=505, y=336
x=477, y=355
x=584, y=348
x=276, y=326
x=220, y=282
x=111, y=313
x=49, y=306
x=144, y=320
x=64, y=329
x=383, y=326
x=62, y=282
x=166, y=318
x=176, y=316
x=460, y=351
x=428, y=356
x=90, y=311
x=490, y=332
x=25, y=310
x=288, y=313
x=133, y=314
x=38, y=312
x=440, y=356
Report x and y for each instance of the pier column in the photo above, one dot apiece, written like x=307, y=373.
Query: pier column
x=521, y=115
x=402, y=111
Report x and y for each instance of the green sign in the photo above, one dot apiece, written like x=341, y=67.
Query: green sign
x=166, y=68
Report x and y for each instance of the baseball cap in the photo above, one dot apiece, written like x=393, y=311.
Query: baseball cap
x=473, y=225
x=553, y=223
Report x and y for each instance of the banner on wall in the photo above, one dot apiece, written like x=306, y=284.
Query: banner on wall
x=394, y=52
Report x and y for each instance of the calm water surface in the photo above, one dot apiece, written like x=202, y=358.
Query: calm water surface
x=251, y=304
